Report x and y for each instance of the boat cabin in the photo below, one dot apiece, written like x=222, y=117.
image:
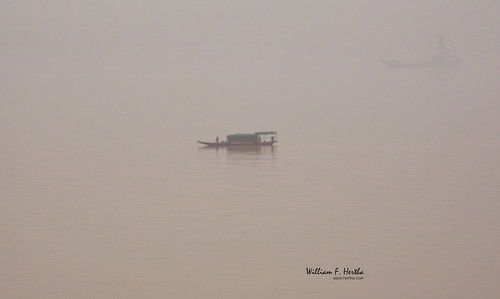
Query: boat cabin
x=255, y=139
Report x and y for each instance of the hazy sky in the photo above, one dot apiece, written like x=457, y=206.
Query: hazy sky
x=210, y=57
x=354, y=26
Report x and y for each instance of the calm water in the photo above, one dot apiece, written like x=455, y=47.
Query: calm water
x=105, y=193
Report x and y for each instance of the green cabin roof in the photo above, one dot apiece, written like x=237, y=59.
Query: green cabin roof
x=242, y=138
x=247, y=137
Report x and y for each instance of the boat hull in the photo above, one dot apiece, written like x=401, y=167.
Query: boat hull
x=231, y=144
x=441, y=63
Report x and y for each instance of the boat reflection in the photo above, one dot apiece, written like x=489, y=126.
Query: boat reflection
x=243, y=153
x=242, y=149
x=251, y=149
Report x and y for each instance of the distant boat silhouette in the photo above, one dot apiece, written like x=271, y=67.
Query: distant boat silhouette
x=255, y=139
x=440, y=59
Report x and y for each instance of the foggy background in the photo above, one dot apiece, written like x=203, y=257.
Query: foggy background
x=131, y=67
x=102, y=103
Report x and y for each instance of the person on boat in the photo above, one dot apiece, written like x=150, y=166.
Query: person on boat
x=217, y=139
x=272, y=138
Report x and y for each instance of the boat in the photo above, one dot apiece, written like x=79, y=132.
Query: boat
x=436, y=61
x=253, y=139
x=439, y=60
